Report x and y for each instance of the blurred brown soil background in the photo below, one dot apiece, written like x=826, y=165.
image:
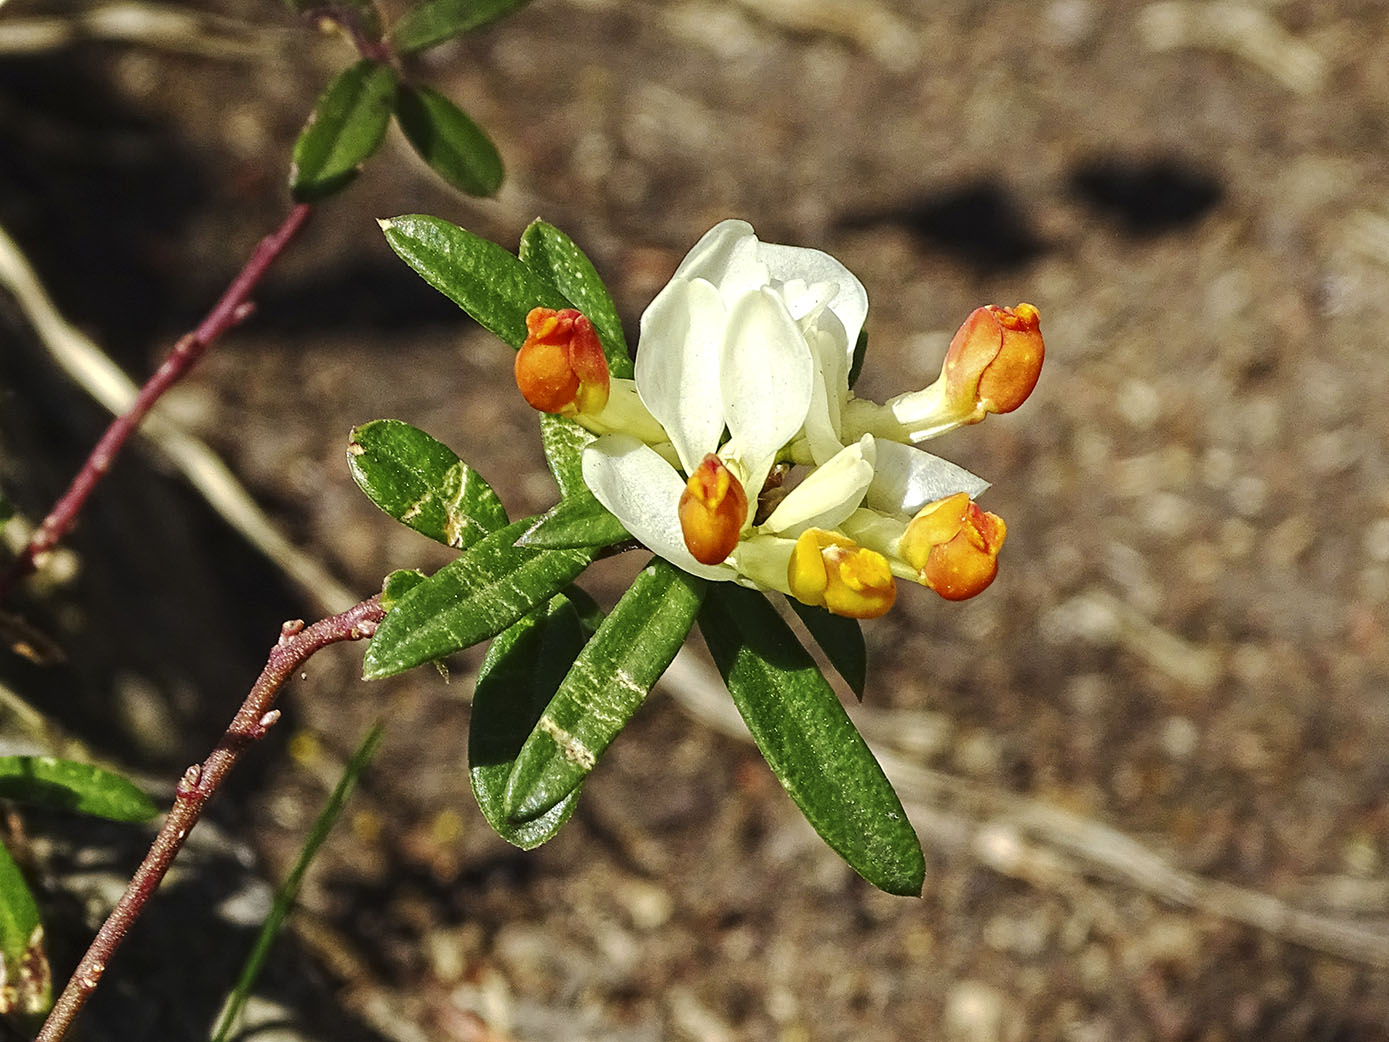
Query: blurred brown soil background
x=1151, y=761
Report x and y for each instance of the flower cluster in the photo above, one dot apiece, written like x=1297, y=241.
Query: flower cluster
x=742, y=374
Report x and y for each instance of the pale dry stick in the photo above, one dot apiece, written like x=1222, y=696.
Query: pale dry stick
x=91, y=369
x=1044, y=845
x=232, y=308
x=181, y=32
x=197, y=786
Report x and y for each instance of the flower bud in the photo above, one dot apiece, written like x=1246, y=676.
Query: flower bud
x=712, y=511
x=561, y=367
x=994, y=359
x=953, y=545
x=832, y=571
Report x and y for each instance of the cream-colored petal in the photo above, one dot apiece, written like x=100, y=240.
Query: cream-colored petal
x=768, y=379
x=631, y=479
x=849, y=303
x=829, y=494
x=726, y=258
x=905, y=479
x=677, y=368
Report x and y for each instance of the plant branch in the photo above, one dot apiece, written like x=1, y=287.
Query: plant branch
x=233, y=307
x=255, y=717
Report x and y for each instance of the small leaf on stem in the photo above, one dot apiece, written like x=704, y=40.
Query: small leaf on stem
x=453, y=145
x=421, y=483
x=68, y=785
x=577, y=520
x=344, y=129
x=435, y=21
x=23, y=962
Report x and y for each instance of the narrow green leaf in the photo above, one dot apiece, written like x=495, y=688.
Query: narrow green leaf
x=421, y=483
x=24, y=968
x=564, y=442
x=590, y=614
x=555, y=256
x=605, y=686
x=453, y=145
x=398, y=584
x=69, y=785
x=288, y=891
x=486, y=589
x=344, y=129
x=576, y=520
x=860, y=353
x=841, y=639
x=522, y=670
x=808, y=740
x=490, y=284
x=435, y=21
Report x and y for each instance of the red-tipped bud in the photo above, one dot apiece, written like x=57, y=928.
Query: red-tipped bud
x=995, y=358
x=561, y=368
x=713, y=508
x=832, y=571
x=953, y=545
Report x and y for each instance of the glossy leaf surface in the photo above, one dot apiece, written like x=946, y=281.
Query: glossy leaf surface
x=345, y=128
x=474, y=597
x=576, y=520
x=606, y=685
x=421, y=483
x=493, y=286
x=445, y=137
x=520, y=674
x=555, y=256
x=808, y=740
x=45, y=781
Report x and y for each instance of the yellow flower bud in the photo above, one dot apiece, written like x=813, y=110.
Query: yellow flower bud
x=953, y=545
x=832, y=571
x=994, y=359
x=712, y=511
x=561, y=367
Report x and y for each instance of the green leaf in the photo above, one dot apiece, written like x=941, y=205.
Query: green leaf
x=486, y=589
x=421, y=483
x=605, y=686
x=452, y=144
x=435, y=21
x=490, y=284
x=841, y=639
x=288, y=891
x=808, y=740
x=555, y=256
x=398, y=584
x=344, y=129
x=576, y=520
x=860, y=353
x=564, y=442
x=24, y=968
x=522, y=670
x=68, y=785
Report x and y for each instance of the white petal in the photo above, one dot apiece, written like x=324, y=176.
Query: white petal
x=906, y=479
x=677, y=369
x=824, y=421
x=828, y=495
x=643, y=490
x=726, y=257
x=850, y=302
x=768, y=379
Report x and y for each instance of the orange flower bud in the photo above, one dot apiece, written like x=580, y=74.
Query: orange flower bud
x=995, y=358
x=561, y=367
x=832, y=571
x=953, y=545
x=712, y=510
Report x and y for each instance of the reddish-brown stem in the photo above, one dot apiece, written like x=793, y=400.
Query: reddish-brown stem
x=232, y=308
x=196, y=787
